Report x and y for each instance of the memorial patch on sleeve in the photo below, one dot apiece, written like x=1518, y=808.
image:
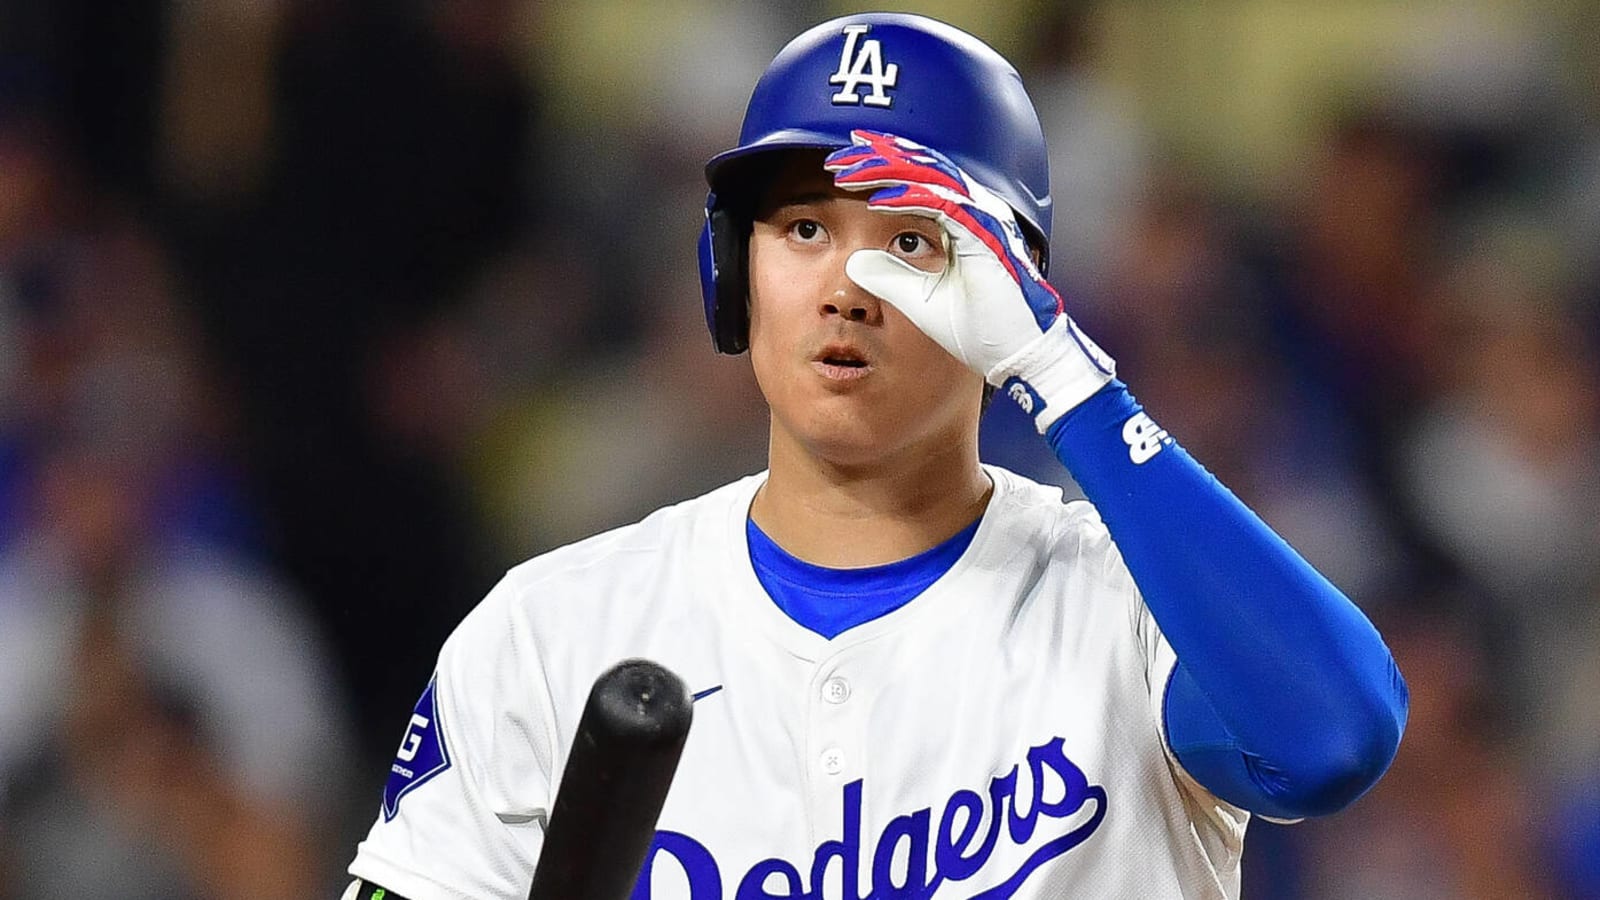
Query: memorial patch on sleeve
x=422, y=752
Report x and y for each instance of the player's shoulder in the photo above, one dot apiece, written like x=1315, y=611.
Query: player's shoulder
x=642, y=544
x=1045, y=510
x=1059, y=538
x=629, y=568
x=569, y=589
x=1048, y=532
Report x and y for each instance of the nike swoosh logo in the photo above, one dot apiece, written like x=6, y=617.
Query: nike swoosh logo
x=701, y=695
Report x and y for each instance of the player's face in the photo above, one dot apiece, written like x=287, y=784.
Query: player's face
x=849, y=379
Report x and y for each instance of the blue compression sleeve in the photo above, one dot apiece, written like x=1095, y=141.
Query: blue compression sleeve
x=1285, y=700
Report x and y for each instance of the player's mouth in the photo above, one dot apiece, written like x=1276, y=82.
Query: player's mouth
x=841, y=362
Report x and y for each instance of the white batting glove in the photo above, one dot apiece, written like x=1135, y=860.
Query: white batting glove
x=990, y=307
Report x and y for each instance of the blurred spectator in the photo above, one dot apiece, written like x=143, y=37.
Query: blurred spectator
x=619, y=436
x=171, y=727
x=1573, y=835
x=394, y=149
x=1503, y=468
x=1349, y=321
x=1099, y=150
x=1504, y=465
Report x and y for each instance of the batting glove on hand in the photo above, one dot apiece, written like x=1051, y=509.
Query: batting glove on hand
x=990, y=307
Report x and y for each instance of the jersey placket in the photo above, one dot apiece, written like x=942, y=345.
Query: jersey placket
x=836, y=717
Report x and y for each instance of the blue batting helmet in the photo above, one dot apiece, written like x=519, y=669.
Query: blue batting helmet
x=902, y=74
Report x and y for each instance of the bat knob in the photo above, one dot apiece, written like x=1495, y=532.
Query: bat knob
x=641, y=703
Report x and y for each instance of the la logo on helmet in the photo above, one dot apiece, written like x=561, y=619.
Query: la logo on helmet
x=860, y=65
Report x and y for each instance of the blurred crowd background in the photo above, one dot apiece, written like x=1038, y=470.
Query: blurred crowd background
x=316, y=316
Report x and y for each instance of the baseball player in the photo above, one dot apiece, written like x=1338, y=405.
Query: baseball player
x=914, y=675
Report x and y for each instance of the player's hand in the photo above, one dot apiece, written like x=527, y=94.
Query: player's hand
x=990, y=307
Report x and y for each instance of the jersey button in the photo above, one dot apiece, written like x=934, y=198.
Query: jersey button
x=833, y=760
x=836, y=690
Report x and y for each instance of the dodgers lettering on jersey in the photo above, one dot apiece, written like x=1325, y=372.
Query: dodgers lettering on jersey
x=997, y=736
x=959, y=843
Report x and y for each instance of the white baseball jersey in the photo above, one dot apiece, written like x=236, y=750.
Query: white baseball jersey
x=997, y=736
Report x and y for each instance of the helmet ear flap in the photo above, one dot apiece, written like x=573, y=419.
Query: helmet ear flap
x=724, y=279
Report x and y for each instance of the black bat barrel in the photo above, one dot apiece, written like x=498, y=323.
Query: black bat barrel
x=604, y=817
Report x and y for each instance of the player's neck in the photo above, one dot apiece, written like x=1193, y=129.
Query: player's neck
x=850, y=516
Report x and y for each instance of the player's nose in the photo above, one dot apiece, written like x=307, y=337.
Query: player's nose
x=850, y=300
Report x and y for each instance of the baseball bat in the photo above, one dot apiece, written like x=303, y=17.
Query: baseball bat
x=604, y=817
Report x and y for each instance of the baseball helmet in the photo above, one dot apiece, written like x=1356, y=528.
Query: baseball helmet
x=903, y=74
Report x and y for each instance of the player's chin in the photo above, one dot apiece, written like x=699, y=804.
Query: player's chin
x=846, y=455
x=846, y=436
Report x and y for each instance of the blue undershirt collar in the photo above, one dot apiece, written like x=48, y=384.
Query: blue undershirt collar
x=832, y=601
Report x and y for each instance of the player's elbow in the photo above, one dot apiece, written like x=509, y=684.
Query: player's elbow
x=1348, y=761
x=1338, y=780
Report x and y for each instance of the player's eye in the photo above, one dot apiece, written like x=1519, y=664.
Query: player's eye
x=806, y=230
x=910, y=243
x=915, y=245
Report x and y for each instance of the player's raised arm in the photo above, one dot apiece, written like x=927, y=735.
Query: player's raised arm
x=1285, y=700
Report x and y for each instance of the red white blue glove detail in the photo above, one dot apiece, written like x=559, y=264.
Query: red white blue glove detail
x=990, y=307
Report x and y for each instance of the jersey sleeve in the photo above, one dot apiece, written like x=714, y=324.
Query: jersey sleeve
x=468, y=791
